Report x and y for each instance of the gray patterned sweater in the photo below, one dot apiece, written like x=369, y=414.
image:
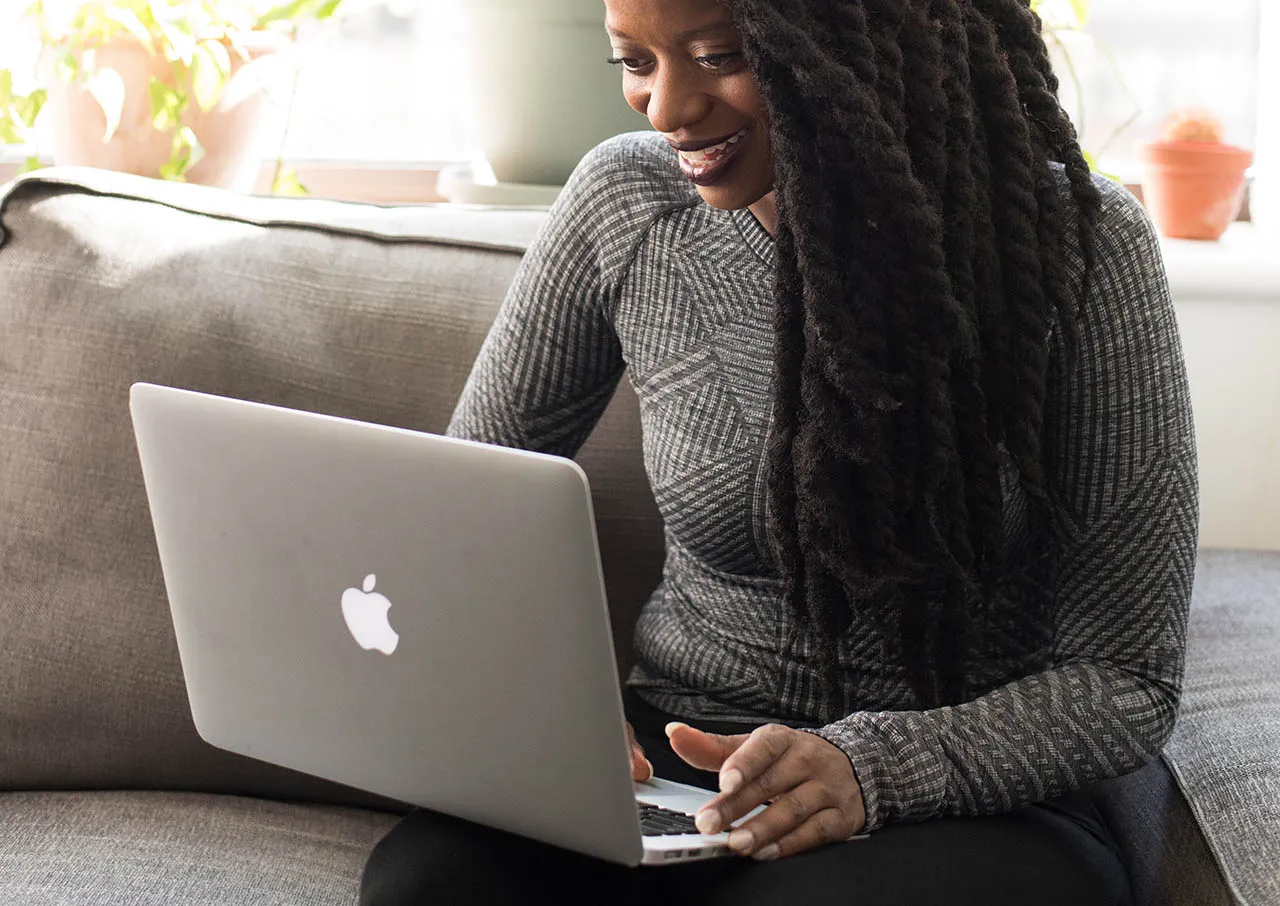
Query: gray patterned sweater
x=633, y=271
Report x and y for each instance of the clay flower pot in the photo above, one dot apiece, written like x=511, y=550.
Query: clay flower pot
x=1193, y=190
x=230, y=133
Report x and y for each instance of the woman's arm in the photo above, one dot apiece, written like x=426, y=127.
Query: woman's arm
x=1127, y=468
x=551, y=361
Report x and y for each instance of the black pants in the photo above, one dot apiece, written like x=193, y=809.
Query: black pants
x=1057, y=852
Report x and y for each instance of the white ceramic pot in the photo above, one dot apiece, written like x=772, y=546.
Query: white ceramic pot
x=543, y=93
x=231, y=133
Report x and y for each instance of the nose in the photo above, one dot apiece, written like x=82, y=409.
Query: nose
x=674, y=101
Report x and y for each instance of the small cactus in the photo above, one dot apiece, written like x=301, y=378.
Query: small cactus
x=1192, y=125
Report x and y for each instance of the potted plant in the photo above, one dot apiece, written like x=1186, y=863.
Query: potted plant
x=175, y=89
x=536, y=122
x=1193, y=181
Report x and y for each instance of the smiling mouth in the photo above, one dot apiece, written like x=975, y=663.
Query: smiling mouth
x=704, y=165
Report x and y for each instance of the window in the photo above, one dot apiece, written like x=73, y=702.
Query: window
x=389, y=83
x=1167, y=54
x=385, y=83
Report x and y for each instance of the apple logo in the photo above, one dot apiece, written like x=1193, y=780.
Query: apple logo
x=366, y=616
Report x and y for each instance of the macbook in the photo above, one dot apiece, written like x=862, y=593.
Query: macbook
x=413, y=615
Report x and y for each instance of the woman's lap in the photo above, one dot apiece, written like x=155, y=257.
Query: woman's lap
x=1055, y=852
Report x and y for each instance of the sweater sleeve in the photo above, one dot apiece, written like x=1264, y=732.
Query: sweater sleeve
x=1122, y=434
x=551, y=360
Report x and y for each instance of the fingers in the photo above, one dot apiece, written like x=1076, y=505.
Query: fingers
x=762, y=769
x=706, y=751
x=755, y=762
x=788, y=814
x=829, y=825
x=641, y=769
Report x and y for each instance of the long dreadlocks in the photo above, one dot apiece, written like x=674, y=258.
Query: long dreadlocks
x=920, y=271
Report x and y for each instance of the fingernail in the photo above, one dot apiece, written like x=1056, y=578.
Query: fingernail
x=708, y=822
x=671, y=727
x=650, y=764
x=741, y=841
x=769, y=852
x=730, y=780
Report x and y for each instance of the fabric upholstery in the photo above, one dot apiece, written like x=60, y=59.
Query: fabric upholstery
x=1164, y=852
x=160, y=849
x=375, y=314
x=104, y=286
x=1225, y=749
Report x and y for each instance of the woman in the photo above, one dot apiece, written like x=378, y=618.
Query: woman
x=916, y=417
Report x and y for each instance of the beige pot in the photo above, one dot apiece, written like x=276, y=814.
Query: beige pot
x=231, y=134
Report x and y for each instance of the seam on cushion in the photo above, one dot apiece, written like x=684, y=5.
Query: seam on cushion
x=18, y=187
x=1202, y=824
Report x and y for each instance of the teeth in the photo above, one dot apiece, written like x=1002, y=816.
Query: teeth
x=711, y=154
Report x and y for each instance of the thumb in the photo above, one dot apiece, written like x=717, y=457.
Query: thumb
x=706, y=751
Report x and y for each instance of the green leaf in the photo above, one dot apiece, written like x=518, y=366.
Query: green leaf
x=289, y=10
x=167, y=106
x=31, y=163
x=328, y=9
x=28, y=108
x=129, y=21
x=177, y=42
x=286, y=183
x=210, y=68
x=173, y=171
x=67, y=66
x=187, y=152
x=6, y=88
x=195, y=150
x=1081, y=10
x=107, y=88
x=9, y=134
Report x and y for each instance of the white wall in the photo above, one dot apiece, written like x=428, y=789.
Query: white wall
x=1227, y=298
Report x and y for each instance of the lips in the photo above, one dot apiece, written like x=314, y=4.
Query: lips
x=707, y=164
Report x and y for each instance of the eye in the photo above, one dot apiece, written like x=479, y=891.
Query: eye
x=719, y=60
x=630, y=64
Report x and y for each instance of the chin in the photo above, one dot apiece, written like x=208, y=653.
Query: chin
x=730, y=198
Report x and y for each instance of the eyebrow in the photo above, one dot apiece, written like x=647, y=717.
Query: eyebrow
x=698, y=31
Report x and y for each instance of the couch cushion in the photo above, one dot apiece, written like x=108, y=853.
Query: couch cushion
x=1168, y=860
x=140, y=849
x=107, y=279
x=1225, y=749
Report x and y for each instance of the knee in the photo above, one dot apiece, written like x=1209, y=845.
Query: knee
x=427, y=858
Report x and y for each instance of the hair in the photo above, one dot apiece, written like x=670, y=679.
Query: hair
x=921, y=270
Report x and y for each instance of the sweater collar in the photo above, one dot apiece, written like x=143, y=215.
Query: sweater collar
x=754, y=234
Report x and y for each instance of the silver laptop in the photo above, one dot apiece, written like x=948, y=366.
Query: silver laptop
x=416, y=616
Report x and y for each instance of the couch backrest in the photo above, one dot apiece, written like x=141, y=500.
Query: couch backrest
x=368, y=313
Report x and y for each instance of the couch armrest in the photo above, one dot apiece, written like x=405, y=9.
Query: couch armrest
x=1224, y=753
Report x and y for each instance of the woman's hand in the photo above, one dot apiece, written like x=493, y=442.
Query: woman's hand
x=813, y=793
x=641, y=769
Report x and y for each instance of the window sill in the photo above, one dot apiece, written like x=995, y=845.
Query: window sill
x=367, y=183
x=1244, y=265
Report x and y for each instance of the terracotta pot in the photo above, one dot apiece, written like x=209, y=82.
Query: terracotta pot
x=231, y=133
x=1193, y=190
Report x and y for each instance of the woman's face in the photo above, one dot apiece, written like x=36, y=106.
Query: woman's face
x=684, y=69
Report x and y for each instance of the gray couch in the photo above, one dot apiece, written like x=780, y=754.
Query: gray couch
x=108, y=795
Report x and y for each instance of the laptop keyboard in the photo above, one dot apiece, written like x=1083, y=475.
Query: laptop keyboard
x=660, y=822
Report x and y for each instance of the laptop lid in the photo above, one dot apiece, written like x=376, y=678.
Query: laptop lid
x=417, y=616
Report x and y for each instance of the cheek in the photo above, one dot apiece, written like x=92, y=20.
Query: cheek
x=633, y=96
